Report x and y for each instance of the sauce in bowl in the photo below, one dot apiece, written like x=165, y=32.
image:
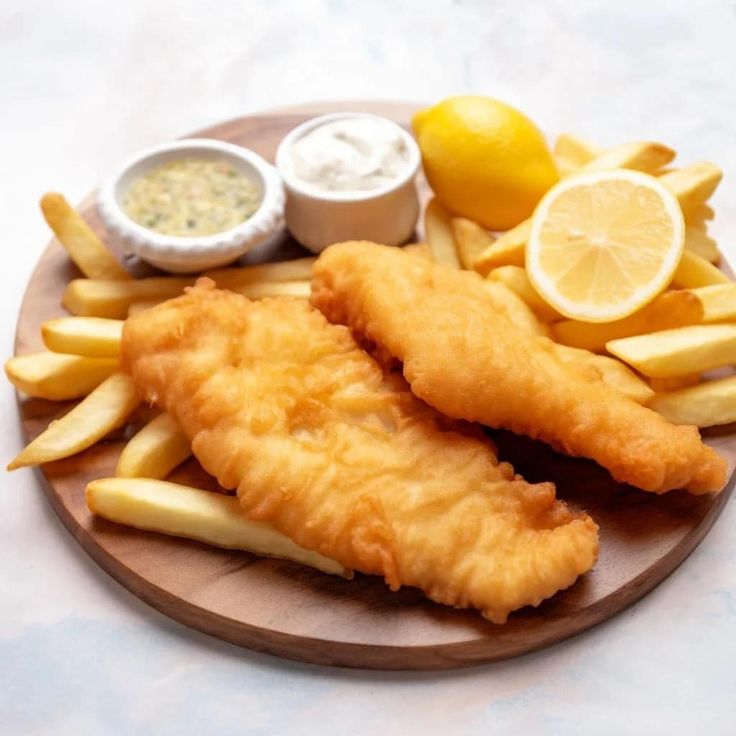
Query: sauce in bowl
x=191, y=197
x=349, y=176
x=350, y=154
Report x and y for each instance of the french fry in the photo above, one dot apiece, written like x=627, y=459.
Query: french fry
x=155, y=450
x=94, y=337
x=233, y=278
x=58, y=377
x=515, y=309
x=438, y=233
x=111, y=299
x=84, y=247
x=105, y=409
x=669, y=310
x=256, y=290
x=182, y=511
x=471, y=239
x=699, y=242
x=674, y=383
x=694, y=184
x=678, y=352
x=609, y=370
x=576, y=149
x=699, y=215
x=705, y=405
x=508, y=250
x=516, y=279
x=704, y=305
x=571, y=153
x=695, y=271
x=419, y=249
x=719, y=302
x=300, y=289
x=137, y=307
x=646, y=156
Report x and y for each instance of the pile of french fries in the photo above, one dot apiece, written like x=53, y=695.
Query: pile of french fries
x=657, y=356
x=82, y=363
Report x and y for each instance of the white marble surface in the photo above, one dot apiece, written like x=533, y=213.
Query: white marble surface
x=84, y=83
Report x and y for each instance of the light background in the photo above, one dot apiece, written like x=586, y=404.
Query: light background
x=82, y=84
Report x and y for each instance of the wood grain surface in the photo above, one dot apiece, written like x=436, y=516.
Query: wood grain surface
x=296, y=612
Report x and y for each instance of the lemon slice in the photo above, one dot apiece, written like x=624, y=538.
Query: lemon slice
x=604, y=244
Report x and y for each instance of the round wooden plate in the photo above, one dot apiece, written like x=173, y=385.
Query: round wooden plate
x=295, y=612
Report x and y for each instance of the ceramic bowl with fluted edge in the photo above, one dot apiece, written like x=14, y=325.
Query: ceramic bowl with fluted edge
x=178, y=254
x=318, y=217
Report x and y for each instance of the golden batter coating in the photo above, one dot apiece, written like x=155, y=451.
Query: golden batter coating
x=469, y=362
x=288, y=410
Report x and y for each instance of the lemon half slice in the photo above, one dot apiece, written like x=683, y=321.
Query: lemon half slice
x=604, y=244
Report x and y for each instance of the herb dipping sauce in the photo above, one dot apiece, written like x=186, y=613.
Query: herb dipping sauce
x=191, y=197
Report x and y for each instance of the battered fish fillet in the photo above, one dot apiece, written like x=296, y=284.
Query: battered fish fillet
x=287, y=409
x=462, y=357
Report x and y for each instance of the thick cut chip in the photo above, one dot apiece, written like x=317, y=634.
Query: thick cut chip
x=105, y=409
x=94, y=337
x=694, y=272
x=300, y=269
x=182, y=511
x=674, y=383
x=571, y=153
x=671, y=309
x=694, y=184
x=646, y=156
x=699, y=215
x=438, y=233
x=81, y=243
x=699, y=242
x=321, y=444
x=682, y=308
x=155, y=450
x=262, y=290
x=111, y=299
x=298, y=289
x=471, y=239
x=137, y=307
x=719, y=302
x=508, y=250
x=58, y=377
x=678, y=352
x=706, y=405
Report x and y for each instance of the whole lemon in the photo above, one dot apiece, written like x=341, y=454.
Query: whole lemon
x=484, y=159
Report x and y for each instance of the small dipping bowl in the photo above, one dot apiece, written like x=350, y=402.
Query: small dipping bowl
x=180, y=254
x=317, y=217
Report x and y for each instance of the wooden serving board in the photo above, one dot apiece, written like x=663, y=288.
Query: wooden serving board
x=296, y=612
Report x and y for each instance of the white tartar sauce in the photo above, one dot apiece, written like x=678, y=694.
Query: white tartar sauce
x=350, y=155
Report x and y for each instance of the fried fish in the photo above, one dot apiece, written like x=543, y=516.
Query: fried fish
x=288, y=410
x=469, y=362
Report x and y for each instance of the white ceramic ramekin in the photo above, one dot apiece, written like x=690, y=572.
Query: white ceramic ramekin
x=318, y=218
x=183, y=254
